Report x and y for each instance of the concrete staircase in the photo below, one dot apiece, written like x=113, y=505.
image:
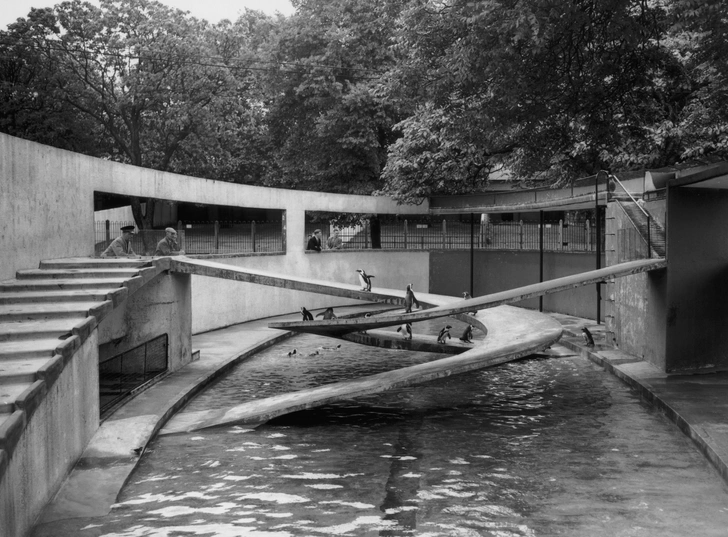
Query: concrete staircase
x=45, y=315
x=656, y=231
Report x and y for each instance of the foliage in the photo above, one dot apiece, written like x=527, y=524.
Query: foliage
x=329, y=125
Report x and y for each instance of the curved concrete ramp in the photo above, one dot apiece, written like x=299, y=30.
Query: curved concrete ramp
x=339, y=327
x=512, y=333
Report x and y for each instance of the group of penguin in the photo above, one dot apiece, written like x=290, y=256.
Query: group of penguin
x=409, y=301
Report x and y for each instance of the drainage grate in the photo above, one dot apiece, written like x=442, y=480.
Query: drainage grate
x=123, y=374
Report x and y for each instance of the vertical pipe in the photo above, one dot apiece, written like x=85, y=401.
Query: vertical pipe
x=108, y=233
x=598, y=245
x=472, y=254
x=540, y=263
x=252, y=234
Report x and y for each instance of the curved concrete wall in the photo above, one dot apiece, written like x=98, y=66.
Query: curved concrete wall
x=46, y=198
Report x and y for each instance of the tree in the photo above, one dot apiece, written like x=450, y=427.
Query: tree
x=156, y=84
x=329, y=123
x=545, y=91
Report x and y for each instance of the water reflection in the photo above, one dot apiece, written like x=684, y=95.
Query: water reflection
x=538, y=447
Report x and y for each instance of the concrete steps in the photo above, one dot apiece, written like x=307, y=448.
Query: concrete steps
x=44, y=316
x=60, y=284
x=76, y=295
x=39, y=311
x=18, y=330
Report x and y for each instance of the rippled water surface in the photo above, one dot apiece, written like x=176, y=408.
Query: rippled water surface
x=539, y=447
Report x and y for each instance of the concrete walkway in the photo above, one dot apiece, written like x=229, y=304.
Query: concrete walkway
x=696, y=404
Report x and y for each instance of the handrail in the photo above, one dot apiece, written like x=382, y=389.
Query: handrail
x=611, y=176
x=649, y=217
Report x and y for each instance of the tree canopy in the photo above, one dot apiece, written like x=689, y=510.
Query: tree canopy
x=408, y=98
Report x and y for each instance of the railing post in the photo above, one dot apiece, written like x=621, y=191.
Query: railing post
x=649, y=237
x=217, y=237
x=366, y=234
x=587, y=227
x=561, y=234
x=520, y=234
x=108, y=233
x=405, y=234
x=444, y=232
x=252, y=234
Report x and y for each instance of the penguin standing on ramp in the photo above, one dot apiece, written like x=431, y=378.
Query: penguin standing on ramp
x=365, y=280
x=406, y=330
x=588, y=338
x=444, y=333
x=307, y=316
x=327, y=314
x=467, y=336
x=409, y=299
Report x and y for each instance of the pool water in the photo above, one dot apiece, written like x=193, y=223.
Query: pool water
x=537, y=447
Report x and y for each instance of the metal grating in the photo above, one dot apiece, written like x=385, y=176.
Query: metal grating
x=122, y=375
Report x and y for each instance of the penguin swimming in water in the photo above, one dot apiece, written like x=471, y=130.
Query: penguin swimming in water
x=467, y=336
x=588, y=338
x=292, y=353
x=307, y=316
x=406, y=330
x=365, y=280
x=444, y=333
x=409, y=299
x=328, y=314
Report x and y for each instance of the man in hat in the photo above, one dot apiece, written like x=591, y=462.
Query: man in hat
x=314, y=243
x=121, y=245
x=168, y=245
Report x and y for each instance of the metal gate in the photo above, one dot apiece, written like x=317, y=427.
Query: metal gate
x=124, y=374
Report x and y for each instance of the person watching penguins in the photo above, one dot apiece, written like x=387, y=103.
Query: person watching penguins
x=335, y=242
x=121, y=245
x=314, y=243
x=168, y=245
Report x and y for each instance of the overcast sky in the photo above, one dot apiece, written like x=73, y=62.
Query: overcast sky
x=212, y=10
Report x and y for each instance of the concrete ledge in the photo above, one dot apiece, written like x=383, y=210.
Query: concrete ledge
x=118, y=296
x=52, y=369
x=102, y=310
x=84, y=328
x=31, y=398
x=68, y=346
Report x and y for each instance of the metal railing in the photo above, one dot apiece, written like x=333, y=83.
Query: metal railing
x=199, y=237
x=452, y=234
x=647, y=215
x=122, y=375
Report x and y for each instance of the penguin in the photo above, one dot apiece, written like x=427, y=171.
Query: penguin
x=406, y=330
x=588, y=338
x=307, y=316
x=409, y=299
x=467, y=336
x=330, y=348
x=444, y=333
x=328, y=314
x=366, y=316
x=365, y=280
x=314, y=353
x=291, y=353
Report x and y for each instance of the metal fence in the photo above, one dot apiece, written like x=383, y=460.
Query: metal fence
x=200, y=237
x=243, y=237
x=453, y=234
x=123, y=374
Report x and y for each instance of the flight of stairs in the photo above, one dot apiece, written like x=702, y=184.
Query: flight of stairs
x=638, y=218
x=45, y=315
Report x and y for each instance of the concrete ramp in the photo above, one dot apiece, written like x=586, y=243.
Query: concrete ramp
x=339, y=327
x=512, y=333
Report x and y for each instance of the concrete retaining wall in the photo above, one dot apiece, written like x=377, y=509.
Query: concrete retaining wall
x=55, y=434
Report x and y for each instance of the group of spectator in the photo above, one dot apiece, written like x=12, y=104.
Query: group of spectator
x=315, y=244
x=121, y=245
